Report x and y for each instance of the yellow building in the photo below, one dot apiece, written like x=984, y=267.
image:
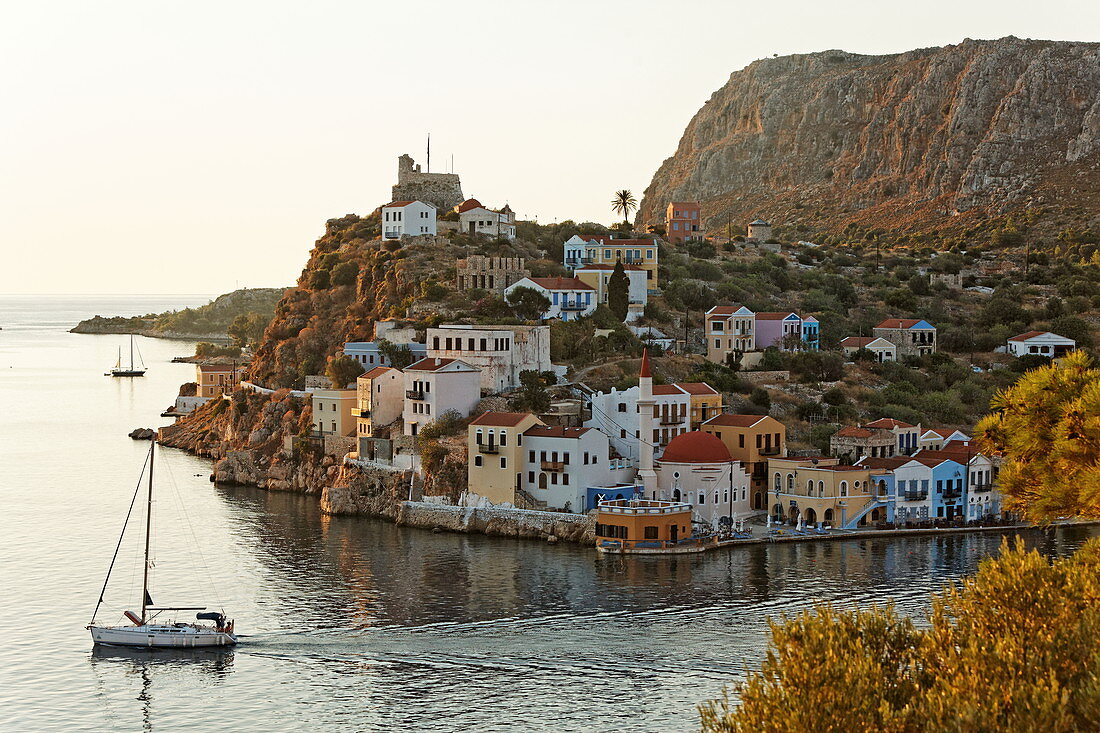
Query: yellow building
x=214, y=380
x=601, y=249
x=332, y=412
x=645, y=525
x=729, y=329
x=753, y=440
x=380, y=399
x=495, y=463
x=705, y=401
x=820, y=490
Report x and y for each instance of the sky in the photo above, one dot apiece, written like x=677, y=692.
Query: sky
x=151, y=146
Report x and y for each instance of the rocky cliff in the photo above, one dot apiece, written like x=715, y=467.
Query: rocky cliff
x=931, y=139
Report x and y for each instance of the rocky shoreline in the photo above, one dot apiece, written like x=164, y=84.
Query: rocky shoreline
x=107, y=327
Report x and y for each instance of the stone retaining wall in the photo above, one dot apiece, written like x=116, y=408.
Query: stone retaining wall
x=499, y=521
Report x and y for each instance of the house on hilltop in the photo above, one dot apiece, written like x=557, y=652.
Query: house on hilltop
x=911, y=336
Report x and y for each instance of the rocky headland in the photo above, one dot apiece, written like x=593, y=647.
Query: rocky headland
x=938, y=139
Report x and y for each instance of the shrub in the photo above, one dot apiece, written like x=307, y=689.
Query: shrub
x=345, y=273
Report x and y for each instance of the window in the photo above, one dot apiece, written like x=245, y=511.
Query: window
x=530, y=477
x=702, y=497
x=585, y=459
x=477, y=460
x=650, y=533
x=503, y=438
x=565, y=479
x=503, y=462
x=530, y=456
x=843, y=488
x=622, y=408
x=741, y=440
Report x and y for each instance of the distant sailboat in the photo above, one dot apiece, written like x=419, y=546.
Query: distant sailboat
x=120, y=371
x=144, y=631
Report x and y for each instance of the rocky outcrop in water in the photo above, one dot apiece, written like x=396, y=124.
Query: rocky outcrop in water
x=931, y=138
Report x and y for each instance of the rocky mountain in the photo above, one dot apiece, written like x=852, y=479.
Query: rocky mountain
x=932, y=139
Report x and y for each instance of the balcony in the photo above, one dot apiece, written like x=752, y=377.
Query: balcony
x=360, y=412
x=981, y=488
x=414, y=394
x=571, y=306
x=914, y=496
x=672, y=419
x=488, y=448
x=952, y=493
x=392, y=234
x=770, y=451
x=552, y=466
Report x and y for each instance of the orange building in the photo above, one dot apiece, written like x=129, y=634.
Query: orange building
x=214, y=380
x=752, y=440
x=683, y=222
x=645, y=525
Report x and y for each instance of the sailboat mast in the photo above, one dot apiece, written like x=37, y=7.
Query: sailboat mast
x=132, y=354
x=148, y=531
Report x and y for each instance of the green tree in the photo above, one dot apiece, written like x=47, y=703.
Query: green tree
x=532, y=395
x=1074, y=328
x=623, y=203
x=1022, y=626
x=1046, y=428
x=398, y=355
x=247, y=328
x=342, y=370
x=918, y=284
x=527, y=303
x=345, y=273
x=618, y=291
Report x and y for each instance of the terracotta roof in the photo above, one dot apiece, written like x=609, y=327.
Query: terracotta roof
x=884, y=462
x=667, y=389
x=696, y=388
x=683, y=203
x=218, y=367
x=432, y=365
x=857, y=341
x=899, y=323
x=930, y=460
x=854, y=432
x=696, y=447
x=737, y=421
x=724, y=310
x=546, y=431
x=606, y=239
x=501, y=419
x=887, y=423
x=468, y=204
x=397, y=204
x=561, y=283
x=378, y=371
x=774, y=316
x=843, y=468
x=643, y=371
x=1030, y=335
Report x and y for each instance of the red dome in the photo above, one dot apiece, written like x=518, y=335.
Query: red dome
x=696, y=447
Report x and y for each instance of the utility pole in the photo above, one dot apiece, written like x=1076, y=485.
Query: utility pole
x=429, y=152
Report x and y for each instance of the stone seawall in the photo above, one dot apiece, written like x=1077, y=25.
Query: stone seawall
x=501, y=522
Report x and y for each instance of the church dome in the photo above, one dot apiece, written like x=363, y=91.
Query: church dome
x=696, y=447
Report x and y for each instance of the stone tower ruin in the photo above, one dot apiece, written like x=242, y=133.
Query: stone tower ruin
x=444, y=190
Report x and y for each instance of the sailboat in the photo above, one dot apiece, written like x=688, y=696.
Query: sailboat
x=145, y=630
x=120, y=371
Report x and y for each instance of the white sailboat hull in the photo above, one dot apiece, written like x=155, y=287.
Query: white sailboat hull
x=172, y=636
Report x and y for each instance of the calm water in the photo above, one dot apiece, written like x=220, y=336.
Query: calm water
x=354, y=624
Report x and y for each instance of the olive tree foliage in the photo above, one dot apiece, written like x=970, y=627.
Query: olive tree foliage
x=1016, y=647
x=1047, y=428
x=342, y=370
x=399, y=355
x=528, y=304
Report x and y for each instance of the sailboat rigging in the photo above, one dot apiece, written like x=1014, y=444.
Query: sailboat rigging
x=120, y=371
x=145, y=631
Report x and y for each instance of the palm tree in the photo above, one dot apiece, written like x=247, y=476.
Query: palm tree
x=623, y=203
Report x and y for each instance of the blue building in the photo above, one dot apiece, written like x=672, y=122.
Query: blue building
x=369, y=355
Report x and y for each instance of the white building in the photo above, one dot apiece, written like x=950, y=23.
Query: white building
x=407, y=219
x=880, y=347
x=436, y=386
x=569, y=297
x=1040, y=343
x=937, y=438
x=475, y=218
x=500, y=352
x=697, y=468
x=615, y=413
x=562, y=463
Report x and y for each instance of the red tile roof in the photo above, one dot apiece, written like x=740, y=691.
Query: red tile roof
x=857, y=341
x=501, y=419
x=898, y=323
x=667, y=389
x=724, y=310
x=890, y=463
x=609, y=268
x=854, y=432
x=607, y=240
x=774, y=316
x=696, y=447
x=696, y=388
x=397, y=204
x=546, y=431
x=430, y=364
x=887, y=423
x=378, y=371
x=737, y=421
x=469, y=204
x=218, y=367
x=1028, y=335
x=561, y=283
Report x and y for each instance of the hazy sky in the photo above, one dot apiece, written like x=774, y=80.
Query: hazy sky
x=180, y=147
